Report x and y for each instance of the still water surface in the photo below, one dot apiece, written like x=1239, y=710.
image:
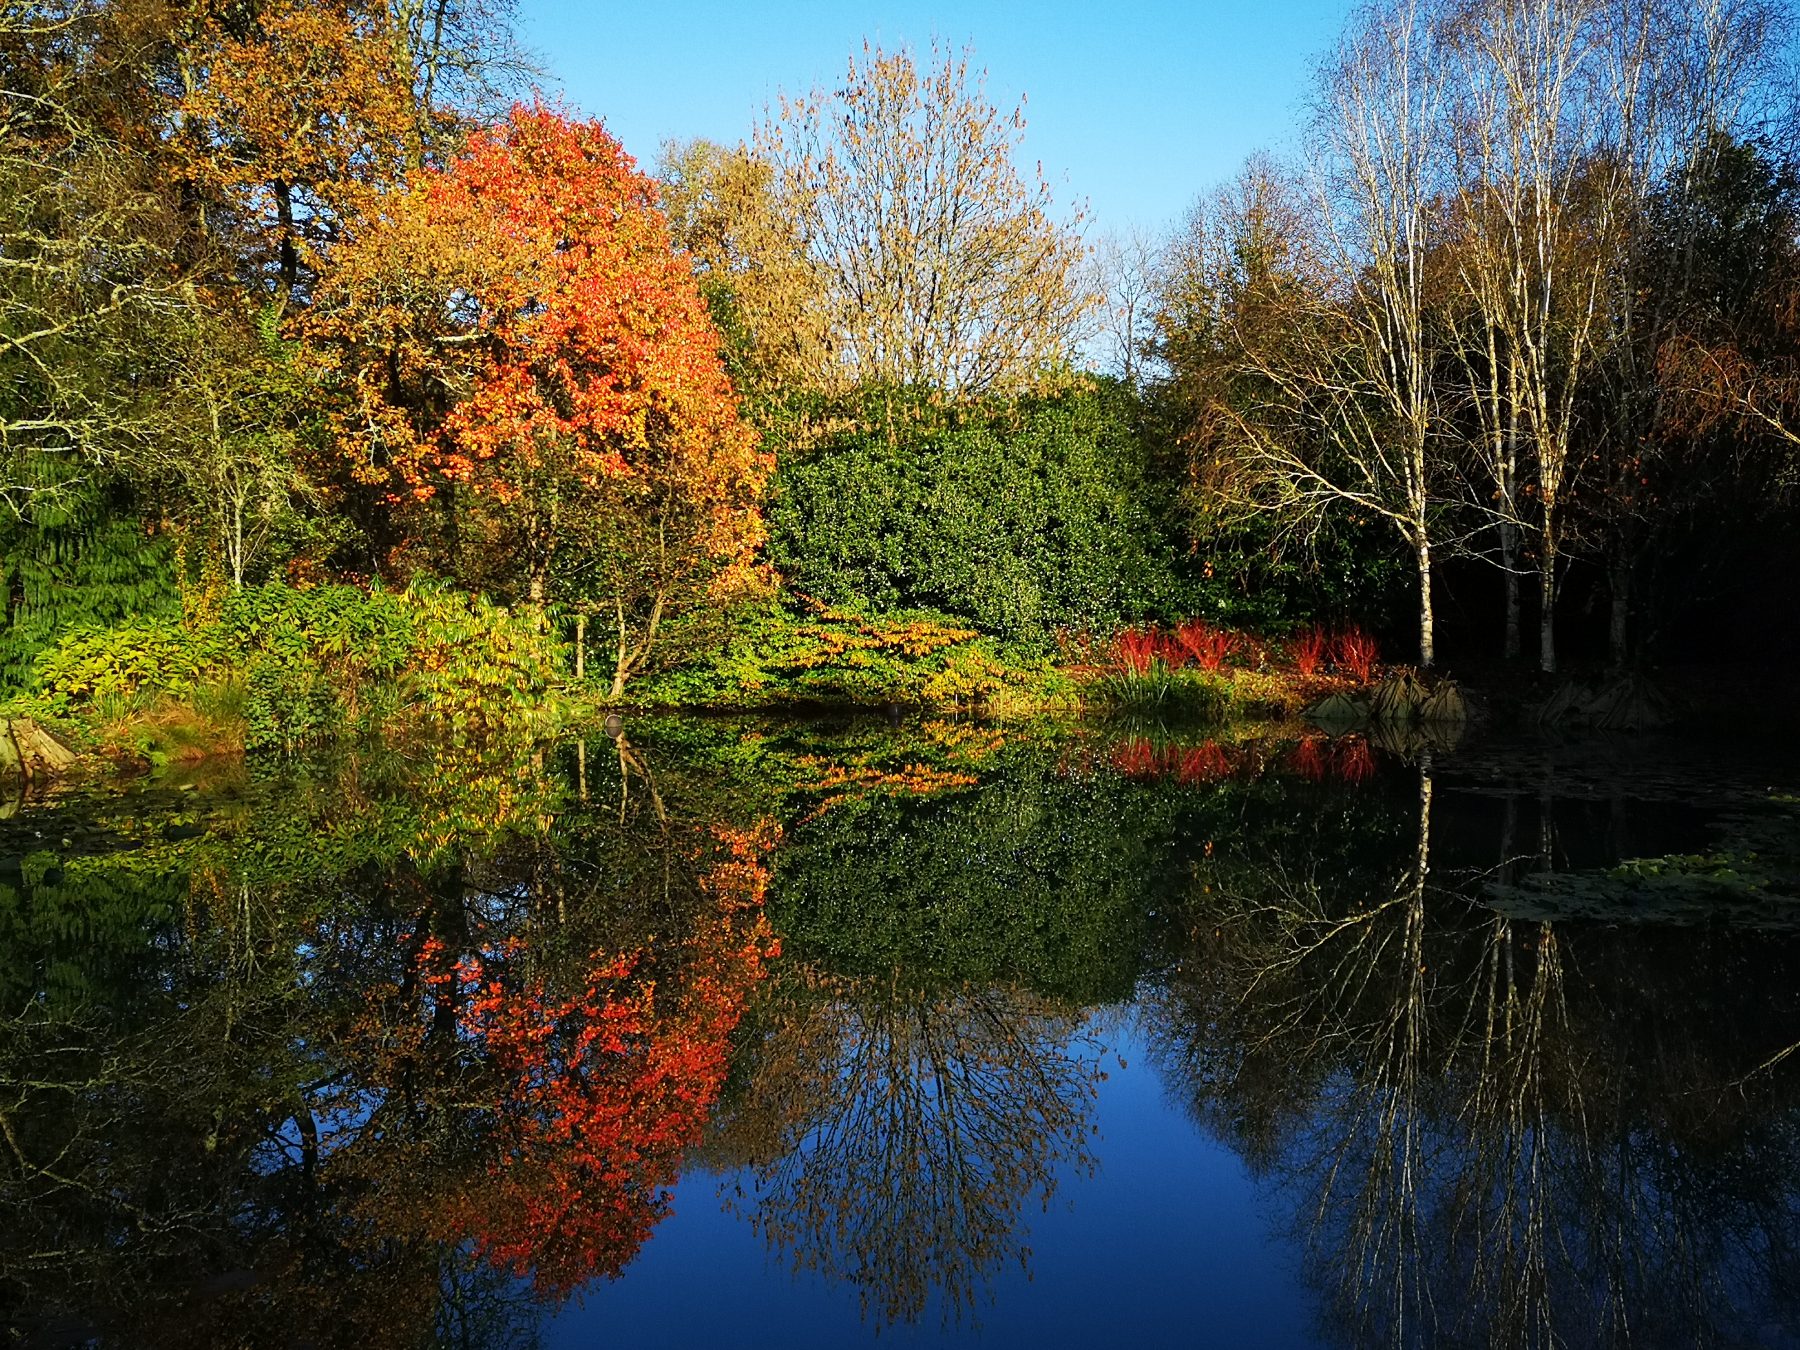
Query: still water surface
x=747, y=1033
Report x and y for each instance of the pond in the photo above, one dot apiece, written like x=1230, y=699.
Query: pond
x=909, y=1032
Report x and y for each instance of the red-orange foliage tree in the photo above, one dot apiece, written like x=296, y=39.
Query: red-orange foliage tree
x=515, y=342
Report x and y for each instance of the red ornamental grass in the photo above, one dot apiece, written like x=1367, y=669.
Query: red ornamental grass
x=1310, y=649
x=1208, y=646
x=1137, y=649
x=1355, y=651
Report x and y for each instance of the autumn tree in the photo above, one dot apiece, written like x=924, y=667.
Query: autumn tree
x=1233, y=279
x=89, y=256
x=232, y=477
x=1707, y=236
x=292, y=116
x=520, y=357
x=1706, y=384
x=942, y=265
x=94, y=289
x=766, y=294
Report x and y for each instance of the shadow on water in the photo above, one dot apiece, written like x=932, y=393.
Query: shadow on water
x=411, y=1048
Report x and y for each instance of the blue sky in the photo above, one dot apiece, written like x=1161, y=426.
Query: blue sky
x=1138, y=110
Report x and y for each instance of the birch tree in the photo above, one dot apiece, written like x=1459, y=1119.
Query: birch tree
x=1546, y=92
x=1350, y=414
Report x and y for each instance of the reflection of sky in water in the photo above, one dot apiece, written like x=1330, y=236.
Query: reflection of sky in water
x=1543, y=1032
x=1168, y=1243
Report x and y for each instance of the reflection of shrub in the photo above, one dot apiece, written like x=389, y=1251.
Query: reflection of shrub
x=1190, y=765
x=290, y=705
x=1311, y=759
x=1354, y=760
x=1317, y=758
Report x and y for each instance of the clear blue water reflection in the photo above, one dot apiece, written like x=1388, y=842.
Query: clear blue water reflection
x=1168, y=1241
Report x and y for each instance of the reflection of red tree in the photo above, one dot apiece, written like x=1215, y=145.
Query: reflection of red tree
x=1349, y=758
x=1203, y=763
x=1136, y=758
x=604, y=1087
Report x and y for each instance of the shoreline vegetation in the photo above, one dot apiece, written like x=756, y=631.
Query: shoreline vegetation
x=281, y=671
x=338, y=400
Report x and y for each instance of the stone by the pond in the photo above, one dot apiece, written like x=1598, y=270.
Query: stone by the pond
x=1625, y=703
x=1568, y=703
x=1630, y=703
x=29, y=750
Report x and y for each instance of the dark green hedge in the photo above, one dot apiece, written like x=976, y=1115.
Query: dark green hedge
x=1022, y=518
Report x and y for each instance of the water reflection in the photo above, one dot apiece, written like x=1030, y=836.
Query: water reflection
x=409, y=1048
x=894, y=1137
x=339, y=1061
x=1495, y=1132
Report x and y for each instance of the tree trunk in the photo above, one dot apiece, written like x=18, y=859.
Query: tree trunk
x=628, y=656
x=1619, y=630
x=289, y=261
x=1547, y=606
x=580, y=647
x=1509, y=560
x=621, y=665
x=1509, y=529
x=1427, y=627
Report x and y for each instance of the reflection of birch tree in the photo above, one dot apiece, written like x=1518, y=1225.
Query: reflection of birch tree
x=1478, y=1145
x=893, y=1138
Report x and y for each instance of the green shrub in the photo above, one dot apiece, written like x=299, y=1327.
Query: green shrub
x=76, y=554
x=842, y=656
x=309, y=664
x=1020, y=519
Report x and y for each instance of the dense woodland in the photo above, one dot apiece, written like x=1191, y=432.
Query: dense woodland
x=322, y=323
